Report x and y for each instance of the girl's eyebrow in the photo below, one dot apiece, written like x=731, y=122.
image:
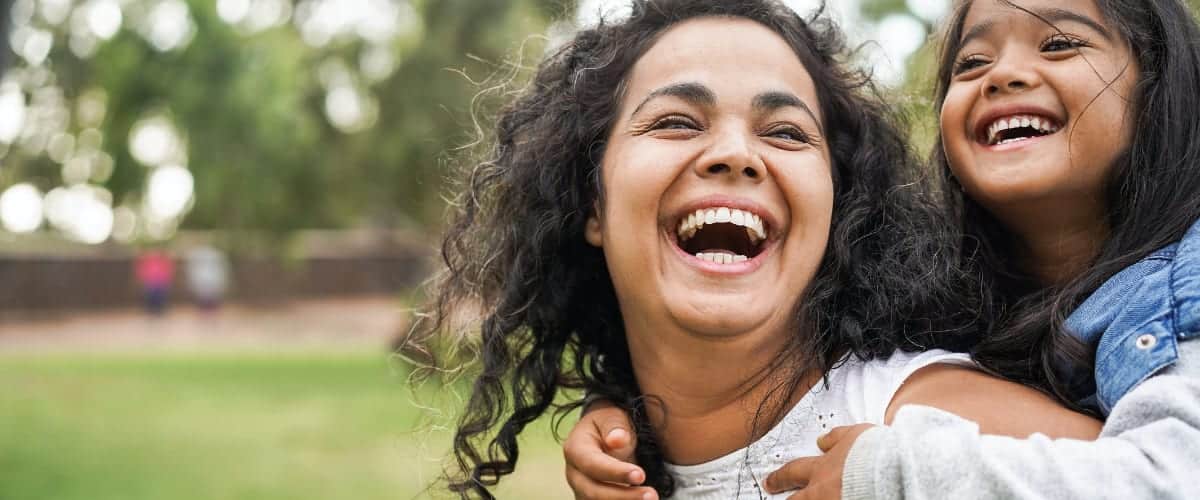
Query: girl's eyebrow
x=1053, y=15
x=1048, y=15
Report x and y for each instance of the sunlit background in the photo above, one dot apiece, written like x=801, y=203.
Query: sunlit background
x=214, y=216
x=123, y=122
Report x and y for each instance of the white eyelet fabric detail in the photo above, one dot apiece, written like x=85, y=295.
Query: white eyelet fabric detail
x=858, y=392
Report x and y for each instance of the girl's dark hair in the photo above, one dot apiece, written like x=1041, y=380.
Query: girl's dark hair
x=516, y=252
x=1150, y=193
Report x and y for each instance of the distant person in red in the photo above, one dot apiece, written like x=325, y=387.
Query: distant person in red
x=155, y=271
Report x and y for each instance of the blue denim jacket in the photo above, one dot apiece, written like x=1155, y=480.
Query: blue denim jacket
x=1137, y=318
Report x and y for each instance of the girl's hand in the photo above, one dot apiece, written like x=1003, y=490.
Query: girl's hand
x=599, y=456
x=818, y=477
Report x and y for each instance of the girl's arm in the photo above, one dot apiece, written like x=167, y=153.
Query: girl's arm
x=1149, y=448
x=998, y=406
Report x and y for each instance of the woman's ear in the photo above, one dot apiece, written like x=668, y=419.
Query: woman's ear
x=592, y=232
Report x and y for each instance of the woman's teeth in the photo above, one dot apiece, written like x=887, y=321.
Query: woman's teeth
x=1038, y=125
x=696, y=220
x=721, y=258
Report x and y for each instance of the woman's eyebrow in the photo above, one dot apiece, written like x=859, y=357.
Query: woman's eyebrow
x=693, y=93
x=773, y=100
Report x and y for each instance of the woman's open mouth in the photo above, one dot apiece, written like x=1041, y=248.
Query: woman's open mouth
x=722, y=235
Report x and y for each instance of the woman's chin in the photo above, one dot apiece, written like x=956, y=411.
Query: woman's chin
x=722, y=318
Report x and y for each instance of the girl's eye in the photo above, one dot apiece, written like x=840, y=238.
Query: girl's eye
x=968, y=63
x=1060, y=42
x=789, y=133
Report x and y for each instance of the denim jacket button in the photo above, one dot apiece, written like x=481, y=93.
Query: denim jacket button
x=1146, y=341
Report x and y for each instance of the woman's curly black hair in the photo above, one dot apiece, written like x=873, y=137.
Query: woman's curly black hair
x=516, y=252
x=1151, y=193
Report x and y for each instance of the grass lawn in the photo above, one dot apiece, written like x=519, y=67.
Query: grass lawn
x=228, y=426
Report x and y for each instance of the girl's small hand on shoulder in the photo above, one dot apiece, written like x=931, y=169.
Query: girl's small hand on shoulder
x=818, y=478
x=599, y=457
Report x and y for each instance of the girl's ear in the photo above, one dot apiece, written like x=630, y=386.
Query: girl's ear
x=592, y=232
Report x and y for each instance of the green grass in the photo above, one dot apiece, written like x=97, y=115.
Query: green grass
x=229, y=426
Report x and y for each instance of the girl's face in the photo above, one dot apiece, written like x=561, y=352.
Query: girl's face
x=1037, y=110
x=717, y=187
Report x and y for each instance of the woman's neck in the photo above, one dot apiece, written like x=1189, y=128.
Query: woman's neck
x=712, y=396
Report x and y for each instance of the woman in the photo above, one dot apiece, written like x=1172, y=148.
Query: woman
x=698, y=214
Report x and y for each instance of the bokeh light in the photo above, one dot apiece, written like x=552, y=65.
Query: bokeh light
x=233, y=11
x=12, y=111
x=153, y=141
x=169, y=25
x=899, y=36
x=103, y=17
x=81, y=212
x=169, y=192
x=930, y=11
x=21, y=208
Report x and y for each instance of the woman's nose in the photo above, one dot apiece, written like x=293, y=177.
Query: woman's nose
x=731, y=155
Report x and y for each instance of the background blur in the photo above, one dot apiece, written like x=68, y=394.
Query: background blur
x=214, y=215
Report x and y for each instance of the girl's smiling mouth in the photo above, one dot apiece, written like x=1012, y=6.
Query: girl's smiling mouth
x=1012, y=128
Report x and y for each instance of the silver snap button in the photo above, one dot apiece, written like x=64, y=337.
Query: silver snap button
x=1146, y=341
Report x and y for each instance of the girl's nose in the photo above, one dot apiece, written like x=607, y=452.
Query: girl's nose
x=1009, y=77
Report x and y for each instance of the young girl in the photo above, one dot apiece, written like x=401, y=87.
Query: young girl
x=1070, y=128
x=700, y=206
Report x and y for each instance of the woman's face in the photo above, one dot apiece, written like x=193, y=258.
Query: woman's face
x=717, y=186
x=1037, y=109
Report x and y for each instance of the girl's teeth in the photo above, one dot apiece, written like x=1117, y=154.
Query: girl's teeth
x=1003, y=124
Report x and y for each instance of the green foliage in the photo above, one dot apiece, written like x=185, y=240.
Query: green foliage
x=251, y=109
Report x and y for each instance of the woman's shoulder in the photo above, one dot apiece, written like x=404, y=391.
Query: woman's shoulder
x=869, y=385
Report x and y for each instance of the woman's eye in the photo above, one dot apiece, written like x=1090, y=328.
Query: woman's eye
x=789, y=134
x=968, y=63
x=1059, y=43
x=674, y=123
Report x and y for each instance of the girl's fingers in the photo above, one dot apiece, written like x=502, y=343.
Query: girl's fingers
x=619, y=443
x=591, y=461
x=794, y=474
x=587, y=489
x=613, y=424
x=836, y=435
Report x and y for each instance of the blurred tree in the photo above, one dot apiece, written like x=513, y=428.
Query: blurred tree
x=284, y=124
